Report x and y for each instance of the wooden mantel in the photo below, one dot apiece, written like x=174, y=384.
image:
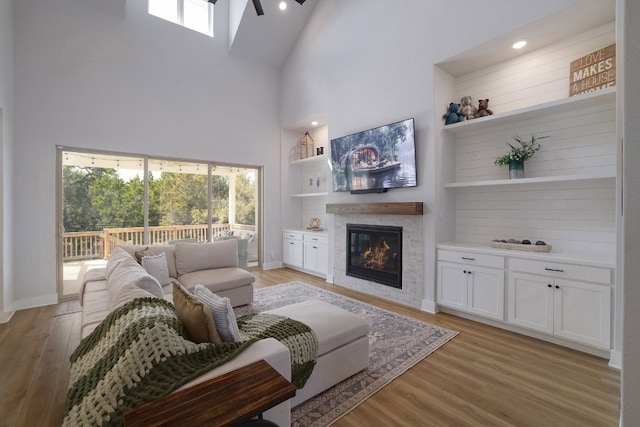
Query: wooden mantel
x=391, y=208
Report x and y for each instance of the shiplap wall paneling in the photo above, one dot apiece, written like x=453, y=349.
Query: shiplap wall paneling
x=581, y=141
x=575, y=217
x=532, y=78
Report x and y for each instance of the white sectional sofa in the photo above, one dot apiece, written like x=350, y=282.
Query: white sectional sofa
x=343, y=343
x=214, y=265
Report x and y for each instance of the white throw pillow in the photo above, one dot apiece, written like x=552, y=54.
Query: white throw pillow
x=222, y=312
x=156, y=265
x=192, y=257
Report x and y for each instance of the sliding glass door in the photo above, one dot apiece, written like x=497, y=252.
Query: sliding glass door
x=109, y=199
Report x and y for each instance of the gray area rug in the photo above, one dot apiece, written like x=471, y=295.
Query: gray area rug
x=396, y=343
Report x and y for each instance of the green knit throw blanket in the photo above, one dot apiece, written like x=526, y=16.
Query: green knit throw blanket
x=298, y=337
x=139, y=353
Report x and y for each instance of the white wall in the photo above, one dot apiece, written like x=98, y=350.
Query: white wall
x=367, y=66
x=89, y=78
x=6, y=144
x=630, y=413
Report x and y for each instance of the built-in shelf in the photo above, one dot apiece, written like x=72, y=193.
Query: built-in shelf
x=586, y=100
x=521, y=181
x=391, y=208
x=310, y=194
x=312, y=159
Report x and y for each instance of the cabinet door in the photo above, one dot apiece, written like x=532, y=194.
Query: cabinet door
x=486, y=292
x=292, y=252
x=323, y=258
x=315, y=257
x=452, y=285
x=531, y=301
x=583, y=312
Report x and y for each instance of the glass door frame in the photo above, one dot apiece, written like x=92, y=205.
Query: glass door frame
x=211, y=165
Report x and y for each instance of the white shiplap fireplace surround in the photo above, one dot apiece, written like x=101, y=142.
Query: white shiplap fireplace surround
x=409, y=217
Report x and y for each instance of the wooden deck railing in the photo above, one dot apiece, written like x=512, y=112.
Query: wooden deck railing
x=83, y=245
x=99, y=244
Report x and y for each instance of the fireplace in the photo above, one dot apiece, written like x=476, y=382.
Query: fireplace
x=374, y=252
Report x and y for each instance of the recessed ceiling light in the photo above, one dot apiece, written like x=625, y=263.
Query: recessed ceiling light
x=282, y=5
x=314, y=123
x=519, y=44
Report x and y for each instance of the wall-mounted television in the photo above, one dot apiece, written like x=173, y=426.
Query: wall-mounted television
x=375, y=160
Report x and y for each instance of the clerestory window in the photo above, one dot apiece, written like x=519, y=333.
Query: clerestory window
x=197, y=15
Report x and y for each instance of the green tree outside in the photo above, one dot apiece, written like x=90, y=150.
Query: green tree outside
x=97, y=198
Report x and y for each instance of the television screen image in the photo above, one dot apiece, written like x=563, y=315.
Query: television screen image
x=375, y=159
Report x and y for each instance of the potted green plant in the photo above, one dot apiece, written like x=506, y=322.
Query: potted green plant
x=515, y=158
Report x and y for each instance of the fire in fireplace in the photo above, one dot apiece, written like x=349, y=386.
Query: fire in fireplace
x=374, y=252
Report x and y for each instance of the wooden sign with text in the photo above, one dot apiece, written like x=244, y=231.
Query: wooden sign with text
x=594, y=71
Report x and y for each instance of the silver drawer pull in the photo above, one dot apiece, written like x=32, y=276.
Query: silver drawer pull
x=554, y=269
x=468, y=259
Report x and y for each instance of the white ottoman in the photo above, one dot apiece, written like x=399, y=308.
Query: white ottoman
x=343, y=344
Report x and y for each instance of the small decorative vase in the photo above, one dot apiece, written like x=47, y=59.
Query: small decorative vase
x=516, y=169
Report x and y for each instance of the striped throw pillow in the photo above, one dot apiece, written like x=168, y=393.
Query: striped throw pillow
x=222, y=312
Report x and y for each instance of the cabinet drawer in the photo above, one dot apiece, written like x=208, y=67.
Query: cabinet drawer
x=471, y=258
x=316, y=238
x=292, y=235
x=564, y=271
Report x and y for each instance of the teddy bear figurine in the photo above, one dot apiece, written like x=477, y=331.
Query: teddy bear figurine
x=483, y=108
x=454, y=115
x=466, y=106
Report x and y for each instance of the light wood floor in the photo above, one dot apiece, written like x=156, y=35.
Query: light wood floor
x=483, y=377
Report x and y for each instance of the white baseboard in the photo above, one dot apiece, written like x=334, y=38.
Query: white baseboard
x=272, y=265
x=330, y=278
x=615, y=359
x=605, y=354
x=5, y=316
x=429, y=306
x=40, y=301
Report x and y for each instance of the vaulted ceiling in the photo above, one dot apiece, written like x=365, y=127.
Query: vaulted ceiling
x=266, y=39
x=269, y=38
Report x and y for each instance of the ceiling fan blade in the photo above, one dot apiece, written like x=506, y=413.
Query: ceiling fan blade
x=258, y=6
x=301, y=1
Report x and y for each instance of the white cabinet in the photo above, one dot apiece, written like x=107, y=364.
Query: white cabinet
x=567, y=299
x=292, y=249
x=305, y=250
x=576, y=310
x=530, y=302
x=472, y=283
x=315, y=253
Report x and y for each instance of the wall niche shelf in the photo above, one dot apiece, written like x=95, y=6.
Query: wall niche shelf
x=587, y=100
x=309, y=160
x=568, y=199
x=525, y=181
x=310, y=195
